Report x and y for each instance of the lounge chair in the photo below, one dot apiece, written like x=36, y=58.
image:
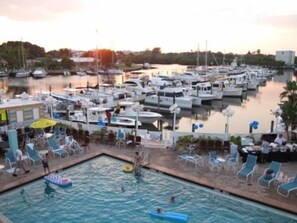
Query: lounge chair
x=213, y=161
x=248, y=168
x=232, y=161
x=72, y=145
x=265, y=180
x=195, y=159
x=10, y=158
x=33, y=155
x=285, y=188
x=56, y=149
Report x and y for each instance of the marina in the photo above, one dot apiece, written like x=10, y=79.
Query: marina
x=253, y=105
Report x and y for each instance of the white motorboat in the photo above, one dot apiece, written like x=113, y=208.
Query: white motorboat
x=39, y=73
x=204, y=91
x=168, y=96
x=20, y=73
x=3, y=73
x=71, y=97
x=136, y=85
x=143, y=116
x=95, y=114
x=227, y=89
x=189, y=77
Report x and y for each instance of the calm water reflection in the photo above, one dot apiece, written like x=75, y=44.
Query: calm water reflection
x=255, y=107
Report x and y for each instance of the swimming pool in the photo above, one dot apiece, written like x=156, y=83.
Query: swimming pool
x=102, y=192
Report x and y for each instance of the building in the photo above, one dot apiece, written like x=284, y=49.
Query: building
x=286, y=56
x=15, y=113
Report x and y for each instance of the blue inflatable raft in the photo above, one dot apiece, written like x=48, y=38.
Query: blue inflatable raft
x=170, y=216
x=58, y=180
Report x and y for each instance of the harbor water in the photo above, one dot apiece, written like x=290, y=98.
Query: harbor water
x=256, y=105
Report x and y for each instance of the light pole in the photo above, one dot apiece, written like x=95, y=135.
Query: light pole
x=227, y=113
x=50, y=104
x=277, y=112
x=175, y=110
x=1, y=94
x=137, y=108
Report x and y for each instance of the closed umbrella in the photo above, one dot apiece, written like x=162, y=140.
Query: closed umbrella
x=43, y=123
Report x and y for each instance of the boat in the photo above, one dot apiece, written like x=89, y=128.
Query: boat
x=205, y=91
x=66, y=72
x=227, y=89
x=71, y=97
x=137, y=86
x=143, y=116
x=3, y=73
x=168, y=96
x=39, y=73
x=22, y=72
x=189, y=77
x=93, y=115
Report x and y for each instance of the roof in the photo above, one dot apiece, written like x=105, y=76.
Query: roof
x=11, y=103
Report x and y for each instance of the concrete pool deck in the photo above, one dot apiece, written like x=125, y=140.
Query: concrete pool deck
x=166, y=161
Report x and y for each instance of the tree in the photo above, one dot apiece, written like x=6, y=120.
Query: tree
x=290, y=91
x=289, y=106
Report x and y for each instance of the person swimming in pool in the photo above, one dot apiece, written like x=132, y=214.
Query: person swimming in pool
x=172, y=199
x=159, y=210
x=123, y=189
x=137, y=164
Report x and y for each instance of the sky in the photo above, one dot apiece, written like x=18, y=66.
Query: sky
x=236, y=26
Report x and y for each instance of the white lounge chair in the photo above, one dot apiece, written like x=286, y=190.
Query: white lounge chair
x=195, y=159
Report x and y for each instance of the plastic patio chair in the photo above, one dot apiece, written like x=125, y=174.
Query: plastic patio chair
x=248, y=168
x=213, y=161
x=285, y=188
x=195, y=159
x=10, y=158
x=55, y=148
x=232, y=161
x=264, y=180
x=32, y=153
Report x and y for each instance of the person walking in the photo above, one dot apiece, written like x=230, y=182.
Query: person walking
x=20, y=162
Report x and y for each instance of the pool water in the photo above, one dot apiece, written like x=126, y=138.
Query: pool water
x=102, y=192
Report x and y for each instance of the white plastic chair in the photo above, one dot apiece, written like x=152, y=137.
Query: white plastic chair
x=232, y=161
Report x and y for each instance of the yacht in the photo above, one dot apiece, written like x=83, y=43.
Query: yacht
x=168, y=96
x=189, y=77
x=3, y=73
x=95, y=114
x=39, y=73
x=20, y=73
x=227, y=89
x=143, y=116
x=205, y=91
x=136, y=85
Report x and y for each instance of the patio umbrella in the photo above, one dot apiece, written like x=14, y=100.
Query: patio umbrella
x=43, y=123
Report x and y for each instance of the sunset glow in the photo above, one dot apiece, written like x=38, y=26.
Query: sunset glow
x=174, y=26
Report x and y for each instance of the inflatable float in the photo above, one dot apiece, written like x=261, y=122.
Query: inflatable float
x=170, y=216
x=58, y=180
x=128, y=169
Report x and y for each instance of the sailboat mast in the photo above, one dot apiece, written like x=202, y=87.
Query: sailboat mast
x=198, y=56
x=97, y=62
x=206, y=53
x=22, y=55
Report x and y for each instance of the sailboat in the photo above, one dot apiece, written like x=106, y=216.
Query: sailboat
x=22, y=72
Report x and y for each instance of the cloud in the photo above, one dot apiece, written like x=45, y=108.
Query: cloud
x=32, y=10
x=288, y=21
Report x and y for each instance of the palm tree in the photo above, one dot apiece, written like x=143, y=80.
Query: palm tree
x=289, y=106
x=290, y=91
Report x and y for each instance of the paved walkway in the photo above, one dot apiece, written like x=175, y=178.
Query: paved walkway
x=167, y=161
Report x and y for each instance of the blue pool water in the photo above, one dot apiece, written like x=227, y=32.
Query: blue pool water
x=101, y=192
